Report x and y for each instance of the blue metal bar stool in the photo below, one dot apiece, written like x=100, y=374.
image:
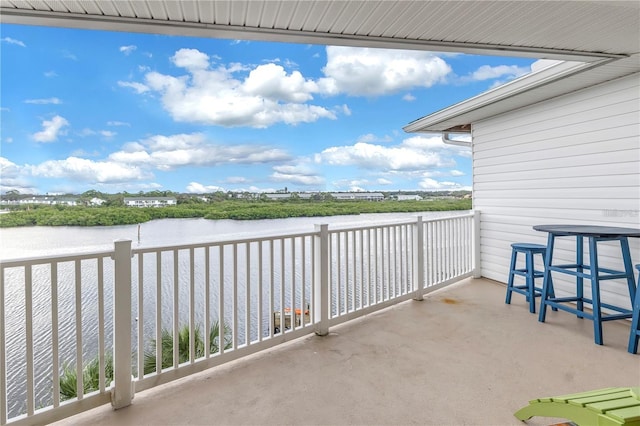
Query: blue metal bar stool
x=528, y=289
x=635, y=321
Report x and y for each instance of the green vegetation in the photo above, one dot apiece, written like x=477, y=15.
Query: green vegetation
x=91, y=372
x=90, y=377
x=183, y=346
x=108, y=215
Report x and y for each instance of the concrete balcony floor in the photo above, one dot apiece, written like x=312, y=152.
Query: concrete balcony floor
x=460, y=357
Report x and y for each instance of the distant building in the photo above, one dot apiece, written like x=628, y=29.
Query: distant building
x=37, y=199
x=278, y=196
x=43, y=199
x=363, y=196
x=409, y=197
x=95, y=201
x=287, y=195
x=65, y=201
x=149, y=201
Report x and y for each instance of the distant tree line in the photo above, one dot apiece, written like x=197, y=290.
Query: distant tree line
x=243, y=209
x=117, y=199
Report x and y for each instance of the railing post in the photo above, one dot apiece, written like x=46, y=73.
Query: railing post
x=122, y=386
x=321, y=299
x=418, y=260
x=476, y=244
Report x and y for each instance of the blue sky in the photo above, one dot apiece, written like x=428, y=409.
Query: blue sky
x=117, y=111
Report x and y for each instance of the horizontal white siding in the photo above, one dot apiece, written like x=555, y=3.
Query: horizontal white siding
x=573, y=159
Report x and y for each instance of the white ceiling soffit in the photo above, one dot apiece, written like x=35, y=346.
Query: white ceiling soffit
x=567, y=30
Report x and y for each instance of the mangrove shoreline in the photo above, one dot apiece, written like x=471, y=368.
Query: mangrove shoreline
x=44, y=215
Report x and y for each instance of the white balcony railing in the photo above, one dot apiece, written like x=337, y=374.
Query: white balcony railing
x=108, y=309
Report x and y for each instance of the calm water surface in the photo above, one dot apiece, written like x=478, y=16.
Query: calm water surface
x=47, y=240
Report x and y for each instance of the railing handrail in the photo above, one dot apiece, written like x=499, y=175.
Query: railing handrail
x=41, y=260
x=345, y=227
x=217, y=243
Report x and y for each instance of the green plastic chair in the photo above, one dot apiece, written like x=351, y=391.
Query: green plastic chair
x=603, y=407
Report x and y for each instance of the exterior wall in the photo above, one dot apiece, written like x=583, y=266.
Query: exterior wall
x=573, y=159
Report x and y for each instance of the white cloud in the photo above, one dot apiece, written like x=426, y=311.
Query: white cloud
x=414, y=153
x=54, y=101
x=344, y=109
x=370, y=137
x=236, y=179
x=118, y=123
x=170, y=152
x=501, y=74
x=191, y=59
x=82, y=153
x=50, y=74
x=268, y=95
x=10, y=40
x=271, y=81
x=297, y=179
x=350, y=184
x=198, y=188
x=8, y=169
x=138, y=87
x=409, y=97
x=380, y=157
x=487, y=72
x=298, y=169
x=541, y=64
x=434, y=185
x=104, y=133
x=372, y=72
x=127, y=50
x=414, y=158
x=51, y=129
x=81, y=169
x=12, y=178
x=69, y=55
x=457, y=173
x=297, y=175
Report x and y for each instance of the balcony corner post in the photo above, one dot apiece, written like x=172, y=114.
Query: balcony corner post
x=321, y=299
x=122, y=387
x=418, y=260
x=477, y=270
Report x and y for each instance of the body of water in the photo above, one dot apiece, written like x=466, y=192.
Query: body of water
x=38, y=241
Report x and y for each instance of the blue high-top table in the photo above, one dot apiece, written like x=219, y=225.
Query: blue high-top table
x=591, y=271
